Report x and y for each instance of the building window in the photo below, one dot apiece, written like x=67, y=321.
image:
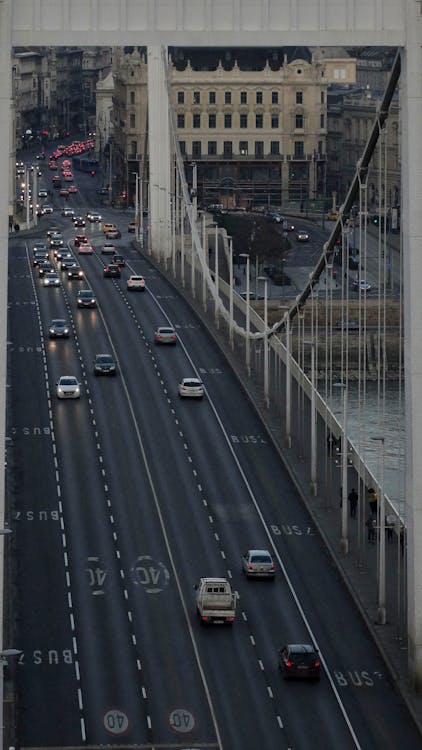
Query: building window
x=180, y=97
x=339, y=74
x=322, y=121
x=211, y=97
x=196, y=148
x=227, y=121
x=275, y=148
x=322, y=97
x=182, y=145
x=259, y=97
x=243, y=148
x=133, y=149
x=299, y=97
x=243, y=121
x=299, y=150
x=274, y=97
x=299, y=122
x=212, y=121
x=259, y=149
x=274, y=121
x=228, y=148
x=197, y=97
x=320, y=148
x=132, y=120
x=243, y=97
x=132, y=97
x=212, y=148
x=180, y=121
x=196, y=121
x=259, y=121
x=227, y=97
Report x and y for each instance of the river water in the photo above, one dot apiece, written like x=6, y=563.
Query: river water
x=376, y=418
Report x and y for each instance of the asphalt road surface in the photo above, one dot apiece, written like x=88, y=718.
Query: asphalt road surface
x=120, y=501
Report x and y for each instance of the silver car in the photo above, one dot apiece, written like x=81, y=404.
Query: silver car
x=165, y=335
x=68, y=387
x=258, y=563
x=191, y=388
x=51, y=279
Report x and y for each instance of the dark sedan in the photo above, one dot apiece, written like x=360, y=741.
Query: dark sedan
x=75, y=272
x=104, y=364
x=119, y=260
x=112, y=271
x=299, y=660
x=58, y=329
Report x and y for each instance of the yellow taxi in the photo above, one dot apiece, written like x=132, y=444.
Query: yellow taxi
x=108, y=227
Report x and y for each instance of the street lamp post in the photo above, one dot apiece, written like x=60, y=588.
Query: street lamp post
x=344, y=541
x=266, y=389
x=248, y=314
x=230, y=239
x=382, y=612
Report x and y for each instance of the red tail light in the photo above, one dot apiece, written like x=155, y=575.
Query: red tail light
x=205, y=618
x=250, y=566
x=289, y=664
x=272, y=566
x=316, y=664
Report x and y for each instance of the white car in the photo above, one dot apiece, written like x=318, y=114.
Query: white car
x=258, y=563
x=108, y=248
x=68, y=387
x=363, y=285
x=43, y=193
x=51, y=279
x=136, y=283
x=93, y=216
x=191, y=388
x=66, y=211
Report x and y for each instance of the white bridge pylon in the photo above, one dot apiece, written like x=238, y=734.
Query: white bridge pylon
x=157, y=23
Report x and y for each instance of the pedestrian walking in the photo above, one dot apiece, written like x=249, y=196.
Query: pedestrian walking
x=373, y=501
x=370, y=525
x=353, y=502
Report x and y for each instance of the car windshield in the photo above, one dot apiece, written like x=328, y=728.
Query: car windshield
x=261, y=559
x=166, y=330
x=58, y=323
x=68, y=381
x=104, y=359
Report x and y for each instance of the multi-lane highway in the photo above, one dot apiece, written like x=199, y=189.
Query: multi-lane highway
x=121, y=500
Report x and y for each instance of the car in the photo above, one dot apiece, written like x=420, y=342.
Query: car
x=68, y=386
x=40, y=246
x=347, y=325
x=42, y=193
x=131, y=227
x=113, y=234
x=75, y=272
x=108, y=248
x=52, y=229
x=93, y=216
x=72, y=189
x=104, y=364
x=51, y=279
x=108, y=226
x=102, y=191
x=60, y=253
x=135, y=284
x=299, y=660
x=80, y=239
x=86, y=298
x=67, y=211
x=275, y=217
x=52, y=165
x=85, y=249
x=258, y=563
x=64, y=192
x=288, y=226
x=362, y=285
x=56, y=241
x=47, y=208
x=302, y=236
x=45, y=267
x=38, y=257
x=112, y=271
x=191, y=388
x=165, y=335
x=79, y=221
x=119, y=259
x=58, y=329
x=66, y=263
x=332, y=215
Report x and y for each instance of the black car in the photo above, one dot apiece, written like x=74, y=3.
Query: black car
x=45, y=267
x=75, y=272
x=58, y=329
x=103, y=191
x=86, y=298
x=38, y=258
x=112, y=271
x=299, y=660
x=104, y=364
x=119, y=260
x=80, y=239
x=79, y=221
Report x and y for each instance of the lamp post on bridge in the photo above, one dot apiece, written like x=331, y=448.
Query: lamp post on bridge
x=382, y=612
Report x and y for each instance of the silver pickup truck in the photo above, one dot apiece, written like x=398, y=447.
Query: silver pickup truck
x=215, y=601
